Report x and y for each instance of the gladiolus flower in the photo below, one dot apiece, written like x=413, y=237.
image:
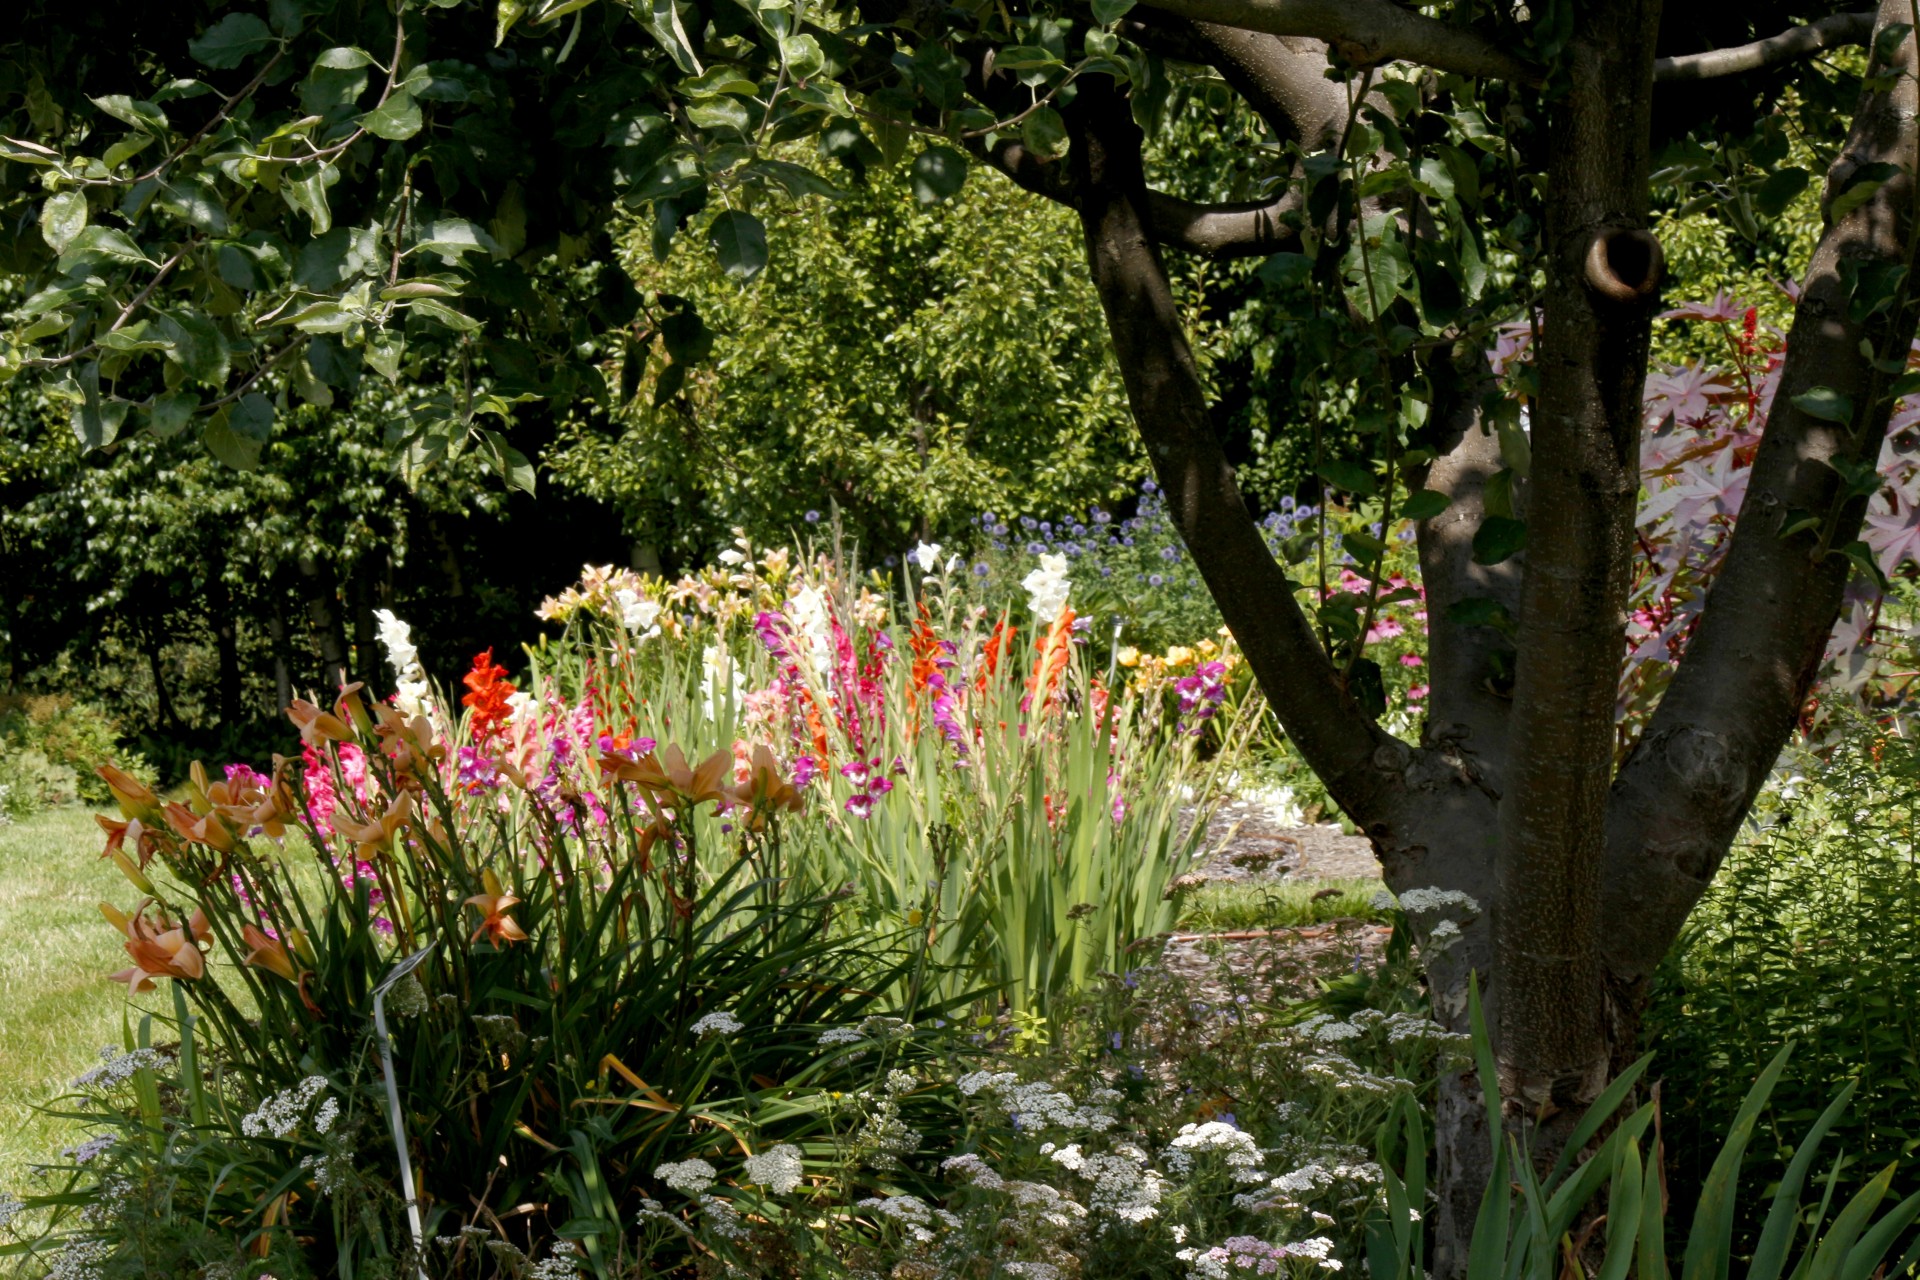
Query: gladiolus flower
x=158, y=950
x=486, y=695
x=765, y=789
x=669, y=772
x=494, y=904
x=268, y=953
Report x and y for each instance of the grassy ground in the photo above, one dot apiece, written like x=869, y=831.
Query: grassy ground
x=56, y=1008
x=1229, y=905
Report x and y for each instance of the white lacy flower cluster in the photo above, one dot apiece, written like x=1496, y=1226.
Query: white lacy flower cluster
x=282, y=1113
x=1249, y=1255
x=411, y=691
x=878, y=1028
x=10, y=1207
x=85, y=1151
x=79, y=1259
x=1236, y=1147
x=561, y=1263
x=1430, y=901
x=912, y=1213
x=1037, y=1104
x=883, y=1138
x=778, y=1169
x=116, y=1068
x=690, y=1177
x=721, y=1023
x=1124, y=1186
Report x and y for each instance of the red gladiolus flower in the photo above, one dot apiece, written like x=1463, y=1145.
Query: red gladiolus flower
x=487, y=695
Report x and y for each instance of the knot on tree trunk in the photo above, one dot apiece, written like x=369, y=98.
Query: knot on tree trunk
x=1625, y=264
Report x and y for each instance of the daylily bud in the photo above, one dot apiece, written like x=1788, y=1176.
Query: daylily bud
x=134, y=799
x=131, y=870
x=352, y=709
x=268, y=953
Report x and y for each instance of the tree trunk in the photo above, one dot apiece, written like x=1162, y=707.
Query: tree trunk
x=322, y=613
x=222, y=618
x=282, y=673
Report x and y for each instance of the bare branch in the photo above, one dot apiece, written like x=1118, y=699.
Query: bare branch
x=1224, y=230
x=1284, y=78
x=1795, y=42
x=1365, y=33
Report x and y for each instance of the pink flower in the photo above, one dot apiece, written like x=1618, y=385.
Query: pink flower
x=1411, y=660
x=860, y=805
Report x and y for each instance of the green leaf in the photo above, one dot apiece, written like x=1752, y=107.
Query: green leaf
x=63, y=217
x=1424, y=504
x=1108, y=12
x=396, y=119
x=383, y=352
x=230, y=41
x=308, y=195
x=803, y=56
x=237, y=434
x=453, y=238
x=1432, y=177
x=95, y=421
x=1825, y=404
x=440, y=313
x=1499, y=538
x=1771, y=198
x=343, y=58
x=171, y=413
x=95, y=242
x=687, y=338
x=721, y=77
x=143, y=116
x=1286, y=270
x=741, y=243
x=661, y=18
x=1480, y=611
x=198, y=346
x=1904, y=385
x=416, y=289
x=1352, y=477
x=1861, y=186
x=1045, y=132
x=1363, y=546
x=1710, y=1243
x=938, y=173
x=195, y=201
x=720, y=113
x=794, y=179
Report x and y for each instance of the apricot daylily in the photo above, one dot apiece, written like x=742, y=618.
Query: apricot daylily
x=200, y=828
x=407, y=740
x=317, y=728
x=133, y=797
x=373, y=837
x=493, y=904
x=121, y=834
x=159, y=950
x=268, y=953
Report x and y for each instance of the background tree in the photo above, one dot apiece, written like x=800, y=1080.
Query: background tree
x=380, y=185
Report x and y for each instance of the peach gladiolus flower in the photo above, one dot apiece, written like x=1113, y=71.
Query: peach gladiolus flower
x=766, y=788
x=159, y=950
x=494, y=904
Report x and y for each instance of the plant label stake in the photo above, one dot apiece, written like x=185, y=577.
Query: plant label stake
x=394, y=1119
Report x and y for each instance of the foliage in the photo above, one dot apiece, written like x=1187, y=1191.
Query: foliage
x=48, y=747
x=1527, y=1225
x=1809, y=935
x=896, y=366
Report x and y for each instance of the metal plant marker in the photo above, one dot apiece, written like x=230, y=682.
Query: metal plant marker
x=394, y=1118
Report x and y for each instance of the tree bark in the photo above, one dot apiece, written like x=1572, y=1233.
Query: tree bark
x=221, y=616
x=282, y=672
x=1683, y=791
x=323, y=615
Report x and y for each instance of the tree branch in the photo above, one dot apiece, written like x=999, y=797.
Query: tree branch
x=1283, y=78
x=1358, y=761
x=1365, y=33
x=1679, y=798
x=1795, y=42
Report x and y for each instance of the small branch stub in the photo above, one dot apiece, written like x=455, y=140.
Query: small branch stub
x=1625, y=265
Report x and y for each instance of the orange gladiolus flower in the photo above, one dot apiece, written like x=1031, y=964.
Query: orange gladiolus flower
x=268, y=953
x=159, y=949
x=1055, y=648
x=494, y=904
x=487, y=695
x=199, y=828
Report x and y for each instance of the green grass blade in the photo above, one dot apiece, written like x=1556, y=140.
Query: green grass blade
x=1653, y=1218
x=1837, y=1246
x=1624, y=1206
x=1710, y=1244
x=1783, y=1219
x=1603, y=1107
x=1864, y=1257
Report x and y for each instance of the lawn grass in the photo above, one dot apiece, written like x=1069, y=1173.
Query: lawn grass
x=1227, y=905
x=56, y=1007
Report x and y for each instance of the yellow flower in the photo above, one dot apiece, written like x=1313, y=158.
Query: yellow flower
x=1207, y=648
x=1129, y=657
x=1179, y=656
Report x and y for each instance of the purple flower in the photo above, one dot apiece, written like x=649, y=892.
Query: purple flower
x=1148, y=486
x=1100, y=517
x=880, y=786
x=772, y=630
x=805, y=770
x=1036, y=548
x=813, y=517
x=980, y=569
x=860, y=805
x=1156, y=580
